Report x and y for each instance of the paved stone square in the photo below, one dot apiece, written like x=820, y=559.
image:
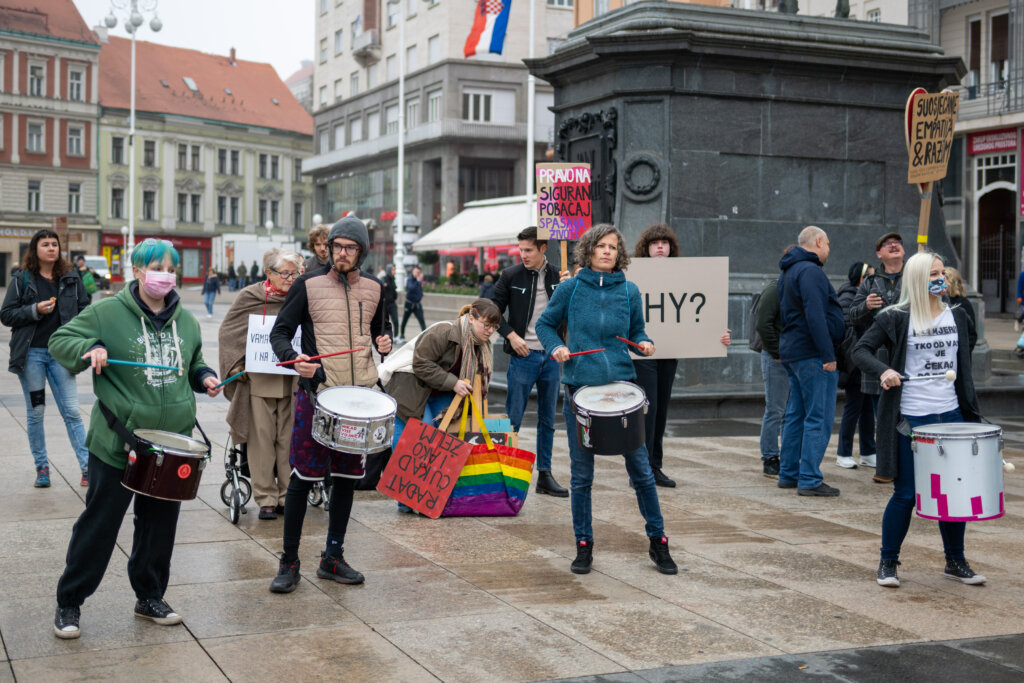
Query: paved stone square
x=763, y=574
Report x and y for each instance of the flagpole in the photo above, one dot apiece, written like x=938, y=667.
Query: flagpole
x=399, y=222
x=531, y=86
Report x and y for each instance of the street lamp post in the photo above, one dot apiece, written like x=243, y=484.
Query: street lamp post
x=398, y=225
x=531, y=89
x=132, y=21
x=124, y=252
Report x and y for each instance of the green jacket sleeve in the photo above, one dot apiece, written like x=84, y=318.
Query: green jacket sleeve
x=768, y=320
x=74, y=338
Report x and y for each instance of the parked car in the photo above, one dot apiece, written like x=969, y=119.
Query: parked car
x=99, y=265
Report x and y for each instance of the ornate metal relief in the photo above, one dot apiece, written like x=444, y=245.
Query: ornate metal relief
x=591, y=138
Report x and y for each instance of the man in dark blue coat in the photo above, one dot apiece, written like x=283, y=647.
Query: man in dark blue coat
x=812, y=323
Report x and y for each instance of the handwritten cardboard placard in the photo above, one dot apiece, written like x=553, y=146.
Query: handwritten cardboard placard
x=930, y=123
x=685, y=303
x=563, y=201
x=259, y=356
x=423, y=469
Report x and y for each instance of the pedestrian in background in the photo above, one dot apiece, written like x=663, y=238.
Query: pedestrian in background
x=318, y=245
x=44, y=295
x=776, y=381
x=391, y=295
x=958, y=295
x=232, y=281
x=858, y=412
x=211, y=288
x=414, y=299
x=254, y=272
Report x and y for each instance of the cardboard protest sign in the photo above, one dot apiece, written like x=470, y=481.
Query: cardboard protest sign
x=685, y=303
x=259, y=356
x=930, y=122
x=563, y=201
x=423, y=468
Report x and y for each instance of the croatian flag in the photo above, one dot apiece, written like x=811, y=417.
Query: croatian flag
x=489, y=25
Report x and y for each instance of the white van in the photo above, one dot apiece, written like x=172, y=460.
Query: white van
x=99, y=265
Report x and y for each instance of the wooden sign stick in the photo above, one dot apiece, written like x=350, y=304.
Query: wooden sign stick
x=925, y=216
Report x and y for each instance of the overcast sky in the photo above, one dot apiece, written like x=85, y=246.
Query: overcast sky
x=273, y=31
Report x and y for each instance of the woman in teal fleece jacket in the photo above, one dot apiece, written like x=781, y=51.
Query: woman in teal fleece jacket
x=144, y=323
x=599, y=305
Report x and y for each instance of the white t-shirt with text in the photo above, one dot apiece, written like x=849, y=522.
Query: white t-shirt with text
x=933, y=353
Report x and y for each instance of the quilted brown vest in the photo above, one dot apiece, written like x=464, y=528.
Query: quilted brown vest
x=341, y=315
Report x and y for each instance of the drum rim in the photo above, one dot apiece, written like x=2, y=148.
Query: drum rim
x=987, y=431
x=205, y=453
x=606, y=413
x=389, y=397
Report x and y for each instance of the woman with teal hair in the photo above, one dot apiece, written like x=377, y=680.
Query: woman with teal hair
x=144, y=323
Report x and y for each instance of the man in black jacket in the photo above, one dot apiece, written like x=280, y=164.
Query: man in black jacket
x=391, y=295
x=522, y=294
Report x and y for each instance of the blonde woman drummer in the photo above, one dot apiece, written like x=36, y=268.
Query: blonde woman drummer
x=599, y=305
x=923, y=336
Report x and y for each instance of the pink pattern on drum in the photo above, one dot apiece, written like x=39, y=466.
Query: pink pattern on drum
x=942, y=503
x=310, y=460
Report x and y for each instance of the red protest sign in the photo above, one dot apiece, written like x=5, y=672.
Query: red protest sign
x=423, y=468
x=563, y=201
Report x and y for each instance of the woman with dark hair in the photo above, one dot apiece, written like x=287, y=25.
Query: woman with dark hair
x=146, y=325
x=920, y=333
x=445, y=360
x=857, y=409
x=655, y=377
x=599, y=305
x=45, y=294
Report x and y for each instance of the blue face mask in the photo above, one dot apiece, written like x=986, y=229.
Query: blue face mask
x=938, y=287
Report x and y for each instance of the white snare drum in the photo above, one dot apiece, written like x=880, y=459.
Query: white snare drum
x=610, y=418
x=354, y=419
x=958, y=471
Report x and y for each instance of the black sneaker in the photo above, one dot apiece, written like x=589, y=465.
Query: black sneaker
x=584, y=557
x=337, y=569
x=287, y=577
x=65, y=623
x=661, y=480
x=887, y=574
x=823, y=489
x=771, y=467
x=659, y=554
x=959, y=570
x=157, y=611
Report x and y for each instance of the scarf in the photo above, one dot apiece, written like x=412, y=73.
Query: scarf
x=473, y=349
x=272, y=290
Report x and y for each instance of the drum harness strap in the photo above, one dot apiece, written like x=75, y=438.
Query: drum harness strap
x=130, y=442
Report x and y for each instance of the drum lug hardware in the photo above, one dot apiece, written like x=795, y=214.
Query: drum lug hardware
x=1001, y=444
x=913, y=445
x=974, y=447
x=646, y=406
x=942, y=452
x=202, y=464
x=159, y=458
x=625, y=422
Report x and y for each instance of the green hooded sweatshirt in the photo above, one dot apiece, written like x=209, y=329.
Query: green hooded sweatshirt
x=142, y=398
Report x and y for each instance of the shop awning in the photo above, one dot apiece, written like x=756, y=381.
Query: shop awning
x=483, y=223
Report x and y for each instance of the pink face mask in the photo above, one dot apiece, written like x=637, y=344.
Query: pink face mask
x=158, y=284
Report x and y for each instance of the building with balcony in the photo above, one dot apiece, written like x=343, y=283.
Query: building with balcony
x=49, y=109
x=465, y=118
x=982, y=193
x=219, y=148
x=301, y=85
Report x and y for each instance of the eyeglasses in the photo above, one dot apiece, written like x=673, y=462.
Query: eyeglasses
x=889, y=243
x=487, y=326
x=348, y=248
x=284, y=276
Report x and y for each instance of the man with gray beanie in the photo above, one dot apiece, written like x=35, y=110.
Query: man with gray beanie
x=338, y=309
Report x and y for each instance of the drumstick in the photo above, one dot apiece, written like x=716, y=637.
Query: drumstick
x=627, y=341
x=322, y=355
x=230, y=379
x=582, y=353
x=949, y=376
x=141, y=365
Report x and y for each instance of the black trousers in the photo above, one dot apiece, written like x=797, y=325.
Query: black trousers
x=95, y=534
x=392, y=309
x=413, y=309
x=655, y=377
x=342, y=494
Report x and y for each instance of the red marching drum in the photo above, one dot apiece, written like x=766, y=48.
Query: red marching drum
x=165, y=465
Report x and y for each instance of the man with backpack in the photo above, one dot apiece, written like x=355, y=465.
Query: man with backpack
x=764, y=338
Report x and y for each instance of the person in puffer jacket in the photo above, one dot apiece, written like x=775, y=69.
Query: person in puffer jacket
x=599, y=305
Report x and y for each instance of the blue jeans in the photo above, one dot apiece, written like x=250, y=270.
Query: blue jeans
x=208, y=300
x=899, y=510
x=40, y=366
x=776, y=394
x=523, y=372
x=581, y=465
x=435, y=405
x=808, y=422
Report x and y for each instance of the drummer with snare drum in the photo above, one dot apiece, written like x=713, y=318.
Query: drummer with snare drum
x=599, y=305
x=146, y=325
x=924, y=338
x=339, y=309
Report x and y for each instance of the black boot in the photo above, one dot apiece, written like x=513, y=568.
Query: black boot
x=547, y=484
x=661, y=479
x=660, y=555
x=584, y=557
